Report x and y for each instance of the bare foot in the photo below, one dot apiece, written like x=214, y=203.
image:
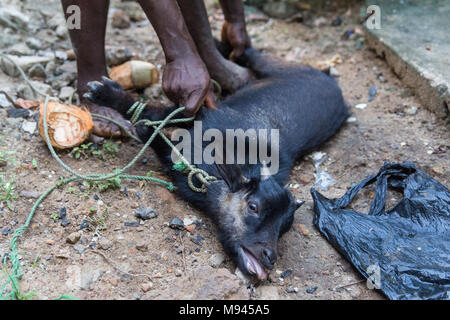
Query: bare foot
x=105, y=128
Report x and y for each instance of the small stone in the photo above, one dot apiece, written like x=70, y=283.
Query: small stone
x=336, y=21
x=73, y=238
x=372, y=93
x=104, y=243
x=62, y=213
x=66, y=92
x=197, y=240
x=304, y=230
x=4, y=102
x=84, y=224
x=146, y=286
x=146, y=213
x=29, y=126
x=334, y=72
x=311, y=290
x=6, y=231
x=361, y=106
x=37, y=71
x=79, y=248
x=29, y=194
x=286, y=274
x=216, y=260
x=142, y=245
x=191, y=228
x=178, y=273
x=120, y=19
x=65, y=222
x=33, y=43
x=18, y=113
x=50, y=242
x=132, y=224
x=176, y=223
x=291, y=289
x=411, y=110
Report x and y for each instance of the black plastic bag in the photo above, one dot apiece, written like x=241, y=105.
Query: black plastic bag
x=405, y=249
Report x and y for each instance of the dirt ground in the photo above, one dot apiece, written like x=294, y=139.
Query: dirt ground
x=111, y=260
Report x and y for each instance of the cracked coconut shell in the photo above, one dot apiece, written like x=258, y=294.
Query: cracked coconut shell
x=68, y=125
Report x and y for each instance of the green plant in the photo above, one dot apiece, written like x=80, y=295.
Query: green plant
x=81, y=151
x=108, y=149
x=6, y=191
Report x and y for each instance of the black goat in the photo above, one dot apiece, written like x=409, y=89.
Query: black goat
x=250, y=206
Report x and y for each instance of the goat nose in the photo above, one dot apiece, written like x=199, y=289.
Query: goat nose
x=270, y=257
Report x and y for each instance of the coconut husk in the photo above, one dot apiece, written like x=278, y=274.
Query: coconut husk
x=68, y=125
x=135, y=74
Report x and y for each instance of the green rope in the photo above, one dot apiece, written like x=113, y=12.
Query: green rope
x=15, y=274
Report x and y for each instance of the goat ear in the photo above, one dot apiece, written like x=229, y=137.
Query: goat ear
x=299, y=203
x=232, y=175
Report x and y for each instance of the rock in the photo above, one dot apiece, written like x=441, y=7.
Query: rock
x=372, y=93
x=61, y=31
x=4, y=102
x=132, y=224
x=146, y=286
x=280, y=10
x=33, y=43
x=319, y=22
x=361, y=106
x=104, y=243
x=27, y=93
x=198, y=240
x=311, y=290
x=65, y=222
x=73, y=237
x=37, y=71
x=334, y=72
x=12, y=18
x=411, y=110
x=178, y=273
x=142, y=245
x=62, y=213
x=267, y=292
x=176, y=223
x=216, y=260
x=154, y=92
x=336, y=21
x=29, y=126
x=205, y=283
x=29, y=194
x=118, y=55
x=25, y=62
x=65, y=93
x=79, y=248
x=20, y=49
x=146, y=213
x=286, y=274
x=291, y=289
x=6, y=231
x=18, y=113
x=120, y=19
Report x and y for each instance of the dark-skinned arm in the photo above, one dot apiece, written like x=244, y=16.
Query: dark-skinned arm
x=234, y=29
x=185, y=80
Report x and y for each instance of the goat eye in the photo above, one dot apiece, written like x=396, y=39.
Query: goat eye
x=252, y=207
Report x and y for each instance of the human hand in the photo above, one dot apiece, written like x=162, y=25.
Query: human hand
x=235, y=33
x=186, y=82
